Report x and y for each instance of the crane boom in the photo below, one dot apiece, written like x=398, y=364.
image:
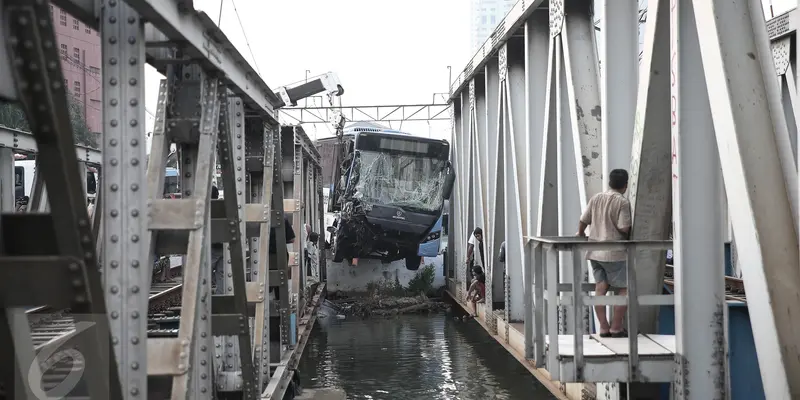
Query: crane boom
x=327, y=83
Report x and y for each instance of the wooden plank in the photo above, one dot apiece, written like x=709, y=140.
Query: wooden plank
x=591, y=347
x=619, y=346
x=665, y=341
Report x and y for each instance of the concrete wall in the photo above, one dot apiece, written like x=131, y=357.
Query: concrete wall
x=346, y=278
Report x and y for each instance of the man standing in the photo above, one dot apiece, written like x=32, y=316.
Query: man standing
x=609, y=214
x=475, y=242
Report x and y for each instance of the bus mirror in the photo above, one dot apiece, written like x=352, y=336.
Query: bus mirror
x=449, y=181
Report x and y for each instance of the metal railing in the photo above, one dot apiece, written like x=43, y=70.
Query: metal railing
x=546, y=285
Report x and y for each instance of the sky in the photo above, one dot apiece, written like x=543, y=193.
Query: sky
x=384, y=51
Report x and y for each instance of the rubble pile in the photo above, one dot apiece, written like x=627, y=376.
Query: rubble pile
x=385, y=306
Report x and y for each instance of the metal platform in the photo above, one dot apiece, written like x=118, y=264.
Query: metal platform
x=607, y=359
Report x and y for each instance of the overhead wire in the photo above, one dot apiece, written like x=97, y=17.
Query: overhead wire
x=246, y=41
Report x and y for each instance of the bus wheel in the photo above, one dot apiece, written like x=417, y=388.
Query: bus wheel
x=413, y=262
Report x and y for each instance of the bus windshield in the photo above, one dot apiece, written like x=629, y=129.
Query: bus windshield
x=411, y=182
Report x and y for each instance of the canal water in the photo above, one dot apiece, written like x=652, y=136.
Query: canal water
x=414, y=358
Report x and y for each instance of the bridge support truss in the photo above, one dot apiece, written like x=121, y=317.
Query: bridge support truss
x=536, y=130
x=241, y=329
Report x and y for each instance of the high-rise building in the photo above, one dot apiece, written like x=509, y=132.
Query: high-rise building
x=81, y=62
x=486, y=14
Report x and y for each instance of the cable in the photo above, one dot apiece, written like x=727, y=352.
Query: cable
x=245, y=37
x=219, y=21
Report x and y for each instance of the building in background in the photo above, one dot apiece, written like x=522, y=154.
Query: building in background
x=486, y=14
x=81, y=62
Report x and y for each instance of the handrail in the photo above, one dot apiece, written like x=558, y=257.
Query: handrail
x=546, y=285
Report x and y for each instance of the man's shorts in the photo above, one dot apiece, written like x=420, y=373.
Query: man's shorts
x=615, y=273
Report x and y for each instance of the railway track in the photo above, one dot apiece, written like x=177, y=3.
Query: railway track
x=734, y=287
x=51, y=327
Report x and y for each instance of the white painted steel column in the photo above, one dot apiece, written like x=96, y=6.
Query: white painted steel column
x=516, y=189
x=650, y=185
x=548, y=205
x=781, y=50
x=697, y=185
x=495, y=123
x=579, y=119
x=784, y=136
x=568, y=193
x=537, y=48
x=619, y=78
x=479, y=123
x=455, y=237
x=746, y=109
x=479, y=178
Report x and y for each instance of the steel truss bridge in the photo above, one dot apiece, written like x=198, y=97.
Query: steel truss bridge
x=536, y=131
x=381, y=113
x=237, y=333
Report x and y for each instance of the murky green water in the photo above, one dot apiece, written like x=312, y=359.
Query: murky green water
x=414, y=358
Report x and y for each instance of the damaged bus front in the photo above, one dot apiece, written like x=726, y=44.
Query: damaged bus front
x=389, y=197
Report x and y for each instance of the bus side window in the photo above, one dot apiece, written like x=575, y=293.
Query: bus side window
x=19, y=182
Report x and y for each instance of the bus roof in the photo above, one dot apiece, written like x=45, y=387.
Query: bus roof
x=358, y=129
x=406, y=136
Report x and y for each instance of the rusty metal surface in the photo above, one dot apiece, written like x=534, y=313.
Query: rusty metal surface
x=734, y=287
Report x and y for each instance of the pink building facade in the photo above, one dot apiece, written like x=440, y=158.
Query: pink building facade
x=81, y=62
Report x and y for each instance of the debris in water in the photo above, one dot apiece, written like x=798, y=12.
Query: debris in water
x=385, y=306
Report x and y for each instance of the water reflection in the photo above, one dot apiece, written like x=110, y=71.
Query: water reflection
x=414, y=358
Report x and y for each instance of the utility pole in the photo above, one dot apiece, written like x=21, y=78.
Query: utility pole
x=306, y=100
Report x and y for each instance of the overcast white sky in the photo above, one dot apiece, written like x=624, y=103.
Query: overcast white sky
x=384, y=51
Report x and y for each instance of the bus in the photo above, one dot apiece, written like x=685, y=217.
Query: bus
x=388, y=194
x=436, y=242
x=25, y=168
